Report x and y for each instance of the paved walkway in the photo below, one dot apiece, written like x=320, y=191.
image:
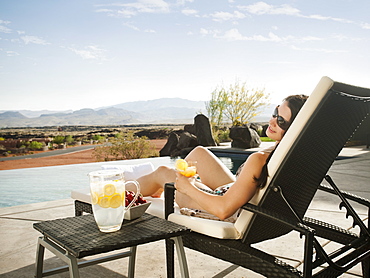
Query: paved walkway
x=18, y=238
x=51, y=153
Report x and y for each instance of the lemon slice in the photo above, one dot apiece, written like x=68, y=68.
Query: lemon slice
x=104, y=202
x=115, y=201
x=94, y=198
x=109, y=189
x=189, y=172
x=181, y=165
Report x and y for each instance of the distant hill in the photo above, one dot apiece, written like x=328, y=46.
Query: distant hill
x=157, y=111
x=157, y=104
x=12, y=115
x=165, y=110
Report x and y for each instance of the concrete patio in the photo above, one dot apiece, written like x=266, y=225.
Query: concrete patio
x=18, y=238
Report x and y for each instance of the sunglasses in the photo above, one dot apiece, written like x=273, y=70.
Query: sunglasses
x=282, y=123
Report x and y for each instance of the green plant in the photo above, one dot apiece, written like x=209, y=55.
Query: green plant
x=223, y=135
x=220, y=135
x=266, y=139
x=69, y=139
x=59, y=139
x=97, y=137
x=34, y=145
x=126, y=146
x=236, y=104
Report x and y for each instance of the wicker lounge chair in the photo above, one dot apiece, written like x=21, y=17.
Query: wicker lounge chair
x=297, y=168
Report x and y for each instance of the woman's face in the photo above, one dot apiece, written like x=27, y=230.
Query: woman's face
x=274, y=131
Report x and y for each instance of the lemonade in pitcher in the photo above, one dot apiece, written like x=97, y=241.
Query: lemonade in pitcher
x=108, y=199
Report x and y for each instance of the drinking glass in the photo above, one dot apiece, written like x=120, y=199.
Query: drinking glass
x=108, y=189
x=187, y=169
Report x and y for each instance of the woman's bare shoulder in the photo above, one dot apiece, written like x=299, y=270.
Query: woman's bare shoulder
x=259, y=157
x=256, y=160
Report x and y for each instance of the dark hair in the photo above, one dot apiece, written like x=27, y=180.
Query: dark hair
x=295, y=103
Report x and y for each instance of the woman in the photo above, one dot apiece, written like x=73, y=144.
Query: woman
x=213, y=173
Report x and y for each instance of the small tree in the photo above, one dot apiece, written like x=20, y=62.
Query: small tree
x=236, y=104
x=216, y=106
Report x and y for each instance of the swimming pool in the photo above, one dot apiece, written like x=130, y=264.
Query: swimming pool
x=34, y=185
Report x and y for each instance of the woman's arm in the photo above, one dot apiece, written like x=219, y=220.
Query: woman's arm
x=241, y=192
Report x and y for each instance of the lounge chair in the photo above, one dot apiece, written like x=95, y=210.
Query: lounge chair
x=300, y=163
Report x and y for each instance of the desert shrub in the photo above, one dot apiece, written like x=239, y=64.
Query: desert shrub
x=69, y=139
x=223, y=135
x=97, y=137
x=34, y=145
x=220, y=134
x=126, y=146
x=59, y=139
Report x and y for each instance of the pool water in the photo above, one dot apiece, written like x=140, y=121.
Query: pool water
x=233, y=162
x=34, y=185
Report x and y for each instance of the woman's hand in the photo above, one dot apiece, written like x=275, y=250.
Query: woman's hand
x=183, y=184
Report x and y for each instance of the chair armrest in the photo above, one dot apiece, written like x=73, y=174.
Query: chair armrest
x=349, y=196
x=299, y=227
x=169, y=199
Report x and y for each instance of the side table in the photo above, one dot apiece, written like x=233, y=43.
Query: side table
x=77, y=237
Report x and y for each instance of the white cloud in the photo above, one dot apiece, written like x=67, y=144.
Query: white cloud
x=224, y=16
x=133, y=27
x=260, y=8
x=183, y=2
x=126, y=13
x=206, y=32
x=4, y=29
x=235, y=35
x=129, y=25
x=189, y=12
x=33, y=39
x=318, y=50
x=311, y=38
x=365, y=25
x=90, y=53
x=129, y=10
x=11, y=53
x=320, y=17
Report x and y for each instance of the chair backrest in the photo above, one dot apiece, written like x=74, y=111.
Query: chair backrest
x=326, y=121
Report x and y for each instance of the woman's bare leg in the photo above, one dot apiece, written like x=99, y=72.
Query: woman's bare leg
x=151, y=183
x=210, y=169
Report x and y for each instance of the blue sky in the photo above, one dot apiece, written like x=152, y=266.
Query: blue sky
x=74, y=54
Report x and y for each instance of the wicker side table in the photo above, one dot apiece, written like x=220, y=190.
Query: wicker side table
x=77, y=237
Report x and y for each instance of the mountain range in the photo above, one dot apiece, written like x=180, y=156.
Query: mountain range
x=157, y=111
